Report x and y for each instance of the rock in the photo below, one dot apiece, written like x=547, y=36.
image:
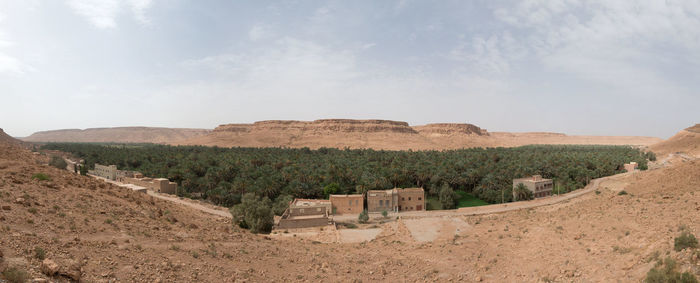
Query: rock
x=72, y=271
x=478, y=279
x=39, y=280
x=19, y=200
x=49, y=267
x=6, y=207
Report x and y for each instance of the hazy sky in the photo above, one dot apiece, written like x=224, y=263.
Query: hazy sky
x=580, y=67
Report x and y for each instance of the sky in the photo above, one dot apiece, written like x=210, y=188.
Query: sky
x=579, y=67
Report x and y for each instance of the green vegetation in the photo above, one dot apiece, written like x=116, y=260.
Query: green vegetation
x=254, y=213
x=447, y=197
x=224, y=175
x=14, y=275
x=363, y=217
x=668, y=273
x=685, y=240
x=622, y=193
x=39, y=253
x=385, y=214
x=58, y=162
x=468, y=200
x=41, y=177
x=522, y=192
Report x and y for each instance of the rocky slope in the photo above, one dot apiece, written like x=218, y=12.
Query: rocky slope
x=117, y=135
x=686, y=141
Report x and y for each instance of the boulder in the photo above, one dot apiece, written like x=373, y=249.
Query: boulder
x=49, y=267
x=6, y=207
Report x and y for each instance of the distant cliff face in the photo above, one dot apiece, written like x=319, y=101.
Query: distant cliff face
x=118, y=134
x=323, y=126
x=450, y=129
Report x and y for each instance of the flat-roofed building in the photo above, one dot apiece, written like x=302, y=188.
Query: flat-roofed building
x=105, y=171
x=540, y=187
x=382, y=200
x=409, y=199
x=305, y=213
x=630, y=167
x=347, y=204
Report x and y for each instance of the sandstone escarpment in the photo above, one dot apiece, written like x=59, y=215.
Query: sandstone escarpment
x=322, y=126
x=450, y=129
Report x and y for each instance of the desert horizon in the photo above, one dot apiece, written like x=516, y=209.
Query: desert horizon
x=349, y=141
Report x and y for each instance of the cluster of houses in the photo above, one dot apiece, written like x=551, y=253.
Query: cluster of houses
x=160, y=185
x=303, y=213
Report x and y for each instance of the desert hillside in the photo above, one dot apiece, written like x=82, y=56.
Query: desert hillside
x=74, y=227
x=384, y=134
x=117, y=135
x=686, y=141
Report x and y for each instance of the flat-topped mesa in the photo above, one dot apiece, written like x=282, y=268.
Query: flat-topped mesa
x=321, y=126
x=451, y=129
x=233, y=128
x=362, y=126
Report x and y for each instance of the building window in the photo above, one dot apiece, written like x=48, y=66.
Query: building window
x=357, y=202
x=409, y=198
x=403, y=198
x=350, y=202
x=419, y=198
x=381, y=202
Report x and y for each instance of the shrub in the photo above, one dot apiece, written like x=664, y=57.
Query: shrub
x=522, y=192
x=685, y=240
x=622, y=193
x=39, y=253
x=363, y=217
x=668, y=274
x=14, y=275
x=281, y=204
x=41, y=177
x=58, y=162
x=385, y=214
x=447, y=196
x=254, y=213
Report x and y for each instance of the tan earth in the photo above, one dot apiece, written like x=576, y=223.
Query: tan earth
x=100, y=232
x=686, y=141
x=332, y=133
x=117, y=135
x=384, y=134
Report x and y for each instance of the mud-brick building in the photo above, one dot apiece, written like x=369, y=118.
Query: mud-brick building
x=540, y=187
x=411, y=199
x=105, y=171
x=305, y=213
x=347, y=204
x=163, y=185
x=408, y=199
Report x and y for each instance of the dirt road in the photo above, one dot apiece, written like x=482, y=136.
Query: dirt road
x=211, y=209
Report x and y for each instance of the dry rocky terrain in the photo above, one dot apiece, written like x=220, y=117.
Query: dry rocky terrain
x=384, y=134
x=90, y=230
x=686, y=141
x=117, y=135
x=335, y=133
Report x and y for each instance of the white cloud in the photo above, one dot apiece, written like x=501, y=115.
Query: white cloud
x=100, y=13
x=103, y=13
x=259, y=32
x=138, y=8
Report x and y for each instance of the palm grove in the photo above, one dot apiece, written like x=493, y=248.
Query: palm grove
x=273, y=176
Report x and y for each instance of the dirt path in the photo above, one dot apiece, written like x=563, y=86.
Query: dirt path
x=186, y=202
